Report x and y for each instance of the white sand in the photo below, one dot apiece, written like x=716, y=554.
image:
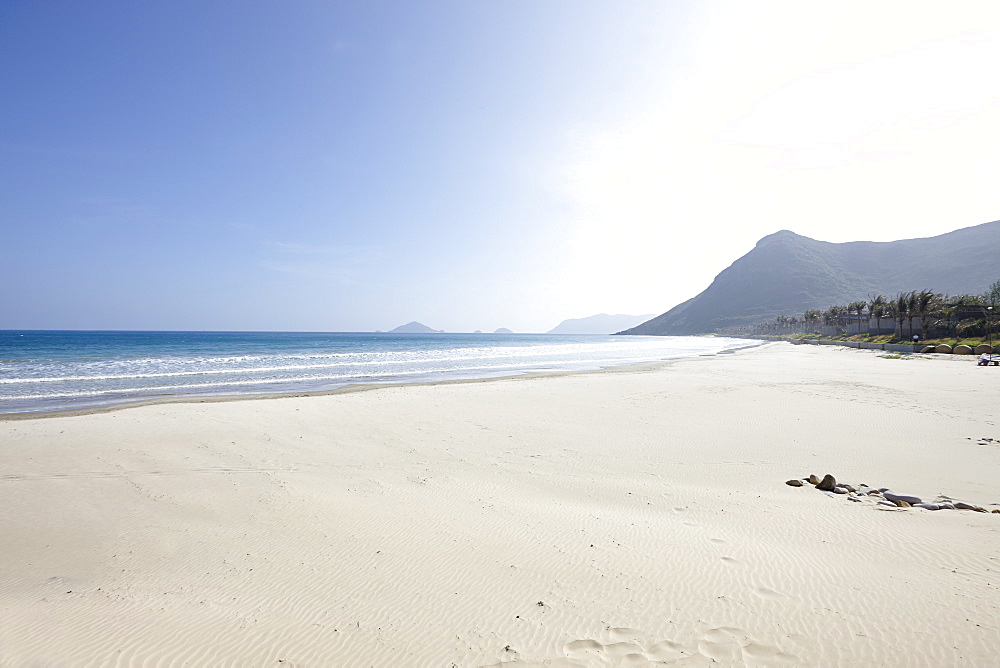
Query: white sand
x=645, y=510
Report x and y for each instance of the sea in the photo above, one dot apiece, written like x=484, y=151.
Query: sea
x=43, y=371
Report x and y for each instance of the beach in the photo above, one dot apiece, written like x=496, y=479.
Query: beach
x=629, y=516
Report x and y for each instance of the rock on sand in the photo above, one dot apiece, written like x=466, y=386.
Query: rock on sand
x=827, y=484
x=892, y=496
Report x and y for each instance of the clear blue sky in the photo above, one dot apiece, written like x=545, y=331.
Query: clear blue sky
x=472, y=165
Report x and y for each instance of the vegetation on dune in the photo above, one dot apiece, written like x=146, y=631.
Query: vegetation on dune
x=939, y=318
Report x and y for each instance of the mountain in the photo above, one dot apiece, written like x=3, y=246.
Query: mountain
x=503, y=330
x=415, y=328
x=787, y=274
x=599, y=324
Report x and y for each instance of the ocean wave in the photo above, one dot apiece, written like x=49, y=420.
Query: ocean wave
x=539, y=353
x=310, y=379
x=265, y=369
x=129, y=368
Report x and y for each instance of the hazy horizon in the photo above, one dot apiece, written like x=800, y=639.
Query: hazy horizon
x=369, y=331
x=321, y=166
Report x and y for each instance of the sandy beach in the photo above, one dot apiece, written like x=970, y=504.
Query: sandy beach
x=624, y=517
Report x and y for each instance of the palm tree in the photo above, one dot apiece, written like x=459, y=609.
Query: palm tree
x=811, y=317
x=949, y=306
x=925, y=300
x=876, y=309
x=899, y=307
x=834, y=316
x=911, y=309
x=859, y=308
x=877, y=312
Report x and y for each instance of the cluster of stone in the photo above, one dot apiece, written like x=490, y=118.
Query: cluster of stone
x=960, y=349
x=883, y=496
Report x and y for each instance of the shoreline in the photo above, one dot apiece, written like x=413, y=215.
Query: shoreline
x=345, y=389
x=632, y=514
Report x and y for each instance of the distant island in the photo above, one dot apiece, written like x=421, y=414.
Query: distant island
x=787, y=273
x=415, y=328
x=601, y=323
x=503, y=330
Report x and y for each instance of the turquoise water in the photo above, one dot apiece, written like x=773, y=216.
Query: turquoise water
x=59, y=370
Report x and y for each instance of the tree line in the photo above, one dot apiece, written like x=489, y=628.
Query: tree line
x=936, y=315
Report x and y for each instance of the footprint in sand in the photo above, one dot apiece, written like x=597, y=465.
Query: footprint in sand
x=629, y=647
x=758, y=651
x=666, y=650
x=728, y=644
x=589, y=648
x=625, y=634
x=723, y=644
x=580, y=649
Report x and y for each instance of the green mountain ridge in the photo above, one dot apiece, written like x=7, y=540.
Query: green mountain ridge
x=787, y=274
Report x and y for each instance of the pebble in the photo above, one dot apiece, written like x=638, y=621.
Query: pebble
x=886, y=503
x=813, y=479
x=961, y=505
x=840, y=490
x=794, y=483
x=892, y=496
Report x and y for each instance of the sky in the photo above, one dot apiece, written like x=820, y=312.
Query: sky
x=353, y=166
